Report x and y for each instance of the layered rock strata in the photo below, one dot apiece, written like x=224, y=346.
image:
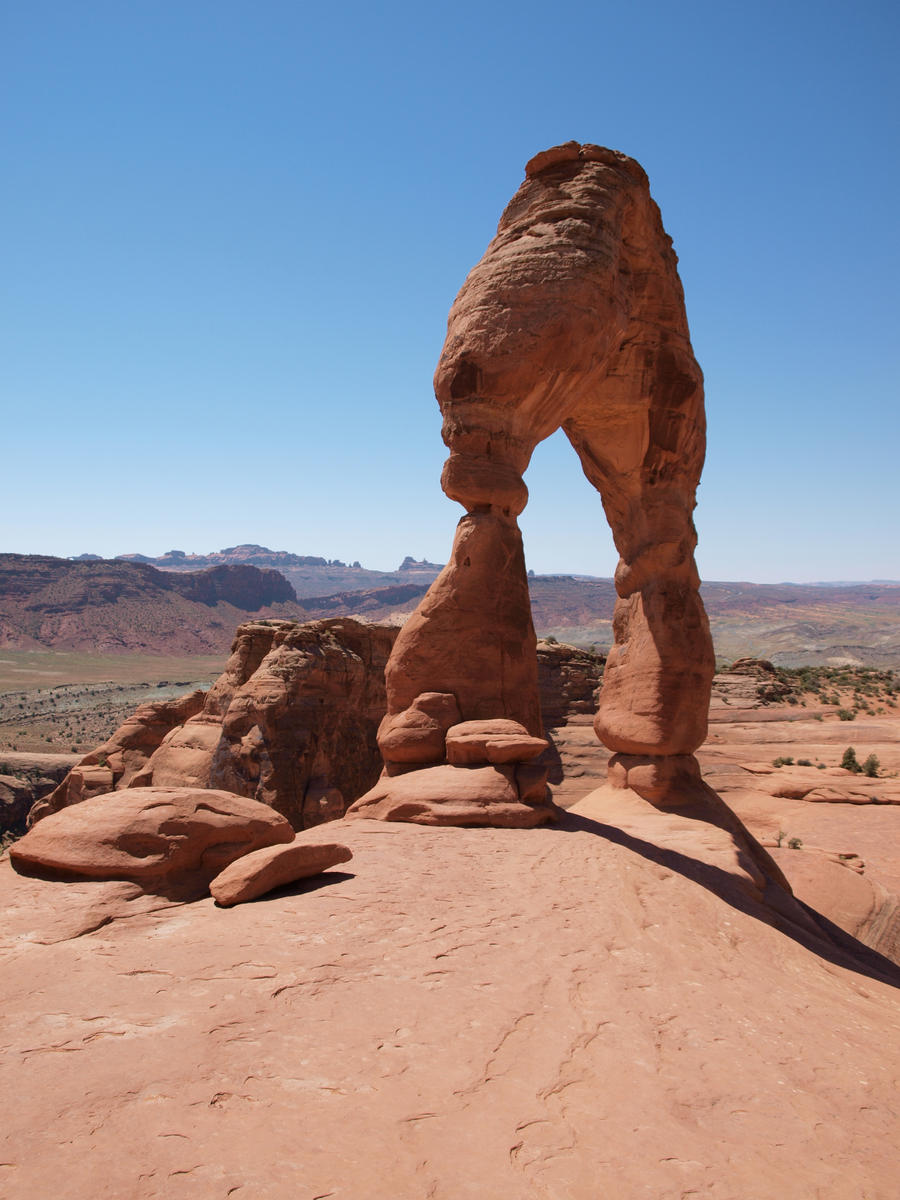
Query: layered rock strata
x=573, y=318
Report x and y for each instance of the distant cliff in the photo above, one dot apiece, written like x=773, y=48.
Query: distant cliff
x=108, y=606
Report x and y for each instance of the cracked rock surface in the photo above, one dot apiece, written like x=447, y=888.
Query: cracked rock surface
x=549, y=1013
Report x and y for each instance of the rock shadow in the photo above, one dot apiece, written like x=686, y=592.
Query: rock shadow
x=301, y=887
x=820, y=936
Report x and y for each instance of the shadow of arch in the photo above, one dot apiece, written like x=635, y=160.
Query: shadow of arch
x=780, y=909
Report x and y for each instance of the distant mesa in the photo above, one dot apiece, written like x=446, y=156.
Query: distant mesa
x=248, y=554
x=414, y=564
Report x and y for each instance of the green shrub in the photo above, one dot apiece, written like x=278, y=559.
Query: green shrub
x=846, y=715
x=782, y=762
x=870, y=766
x=850, y=762
x=794, y=843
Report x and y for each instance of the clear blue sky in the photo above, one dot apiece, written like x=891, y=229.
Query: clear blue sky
x=232, y=233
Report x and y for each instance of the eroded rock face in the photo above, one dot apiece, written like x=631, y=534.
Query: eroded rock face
x=573, y=318
x=569, y=681
x=123, y=756
x=157, y=837
x=291, y=722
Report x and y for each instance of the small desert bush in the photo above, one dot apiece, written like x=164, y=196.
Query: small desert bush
x=846, y=714
x=870, y=766
x=782, y=762
x=850, y=762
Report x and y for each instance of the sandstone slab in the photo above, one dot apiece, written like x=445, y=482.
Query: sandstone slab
x=473, y=1013
x=262, y=870
x=454, y=795
x=497, y=741
x=158, y=837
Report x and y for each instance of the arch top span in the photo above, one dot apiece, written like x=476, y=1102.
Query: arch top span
x=574, y=318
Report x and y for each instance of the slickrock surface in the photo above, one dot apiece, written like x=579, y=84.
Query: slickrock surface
x=810, y=818
x=273, y=866
x=520, y=1015
x=158, y=837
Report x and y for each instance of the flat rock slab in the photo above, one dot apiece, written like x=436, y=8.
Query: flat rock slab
x=273, y=866
x=154, y=836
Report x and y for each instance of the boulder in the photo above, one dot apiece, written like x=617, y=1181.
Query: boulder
x=496, y=741
x=291, y=722
x=416, y=735
x=457, y=795
x=161, y=838
x=259, y=872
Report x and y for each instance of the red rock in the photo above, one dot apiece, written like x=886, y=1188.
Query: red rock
x=453, y=795
x=291, y=722
x=482, y=1014
x=573, y=318
x=496, y=741
x=262, y=870
x=157, y=837
x=119, y=760
x=417, y=734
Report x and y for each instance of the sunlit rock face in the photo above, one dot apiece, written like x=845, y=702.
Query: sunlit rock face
x=574, y=318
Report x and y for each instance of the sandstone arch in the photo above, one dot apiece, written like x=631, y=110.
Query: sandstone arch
x=573, y=318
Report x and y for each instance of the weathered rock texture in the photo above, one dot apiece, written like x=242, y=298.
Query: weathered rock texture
x=263, y=870
x=569, y=681
x=574, y=318
x=157, y=837
x=121, y=757
x=462, y=1014
x=25, y=780
x=291, y=722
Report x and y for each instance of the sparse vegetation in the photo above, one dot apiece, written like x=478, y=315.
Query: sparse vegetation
x=850, y=762
x=782, y=761
x=857, y=687
x=794, y=843
x=870, y=766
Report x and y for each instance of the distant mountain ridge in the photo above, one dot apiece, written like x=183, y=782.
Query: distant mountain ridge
x=122, y=605
x=110, y=606
x=247, y=555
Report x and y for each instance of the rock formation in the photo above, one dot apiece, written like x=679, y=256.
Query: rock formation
x=121, y=757
x=291, y=722
x=270, y=867
x=317, y=743
x=573, y=318
x=158, y=837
